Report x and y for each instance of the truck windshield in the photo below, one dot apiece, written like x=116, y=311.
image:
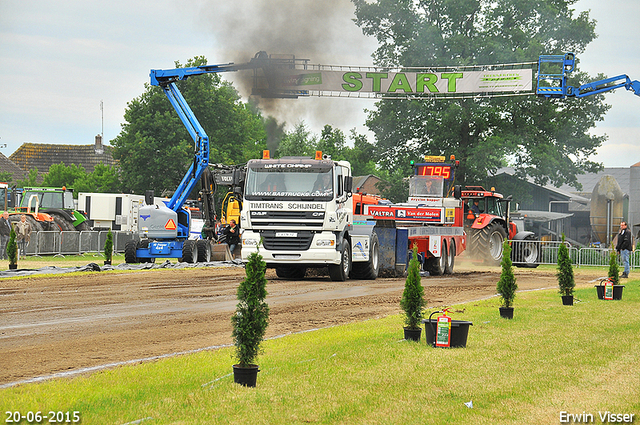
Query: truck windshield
x=314, y=183
x=426, y=186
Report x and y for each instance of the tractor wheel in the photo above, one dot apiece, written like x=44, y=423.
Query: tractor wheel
x=59, y=223
x=526, y=252
x=83, y=227
x=451, y=257
x=370, y=269
x=291, y=272
x=489, y=242
x=189, y=251
x=204, y=250
x=340, y=272
x=130, y=256
x=436, y=266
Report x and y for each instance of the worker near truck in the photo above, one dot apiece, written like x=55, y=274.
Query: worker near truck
x=5, y=231
x=624, y=247
x=232, y=234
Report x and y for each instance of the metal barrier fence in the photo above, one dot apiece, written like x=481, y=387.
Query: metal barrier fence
x=547, y=253
x=72, y=243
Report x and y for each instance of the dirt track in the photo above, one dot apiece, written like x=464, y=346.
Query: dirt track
x=54, y=324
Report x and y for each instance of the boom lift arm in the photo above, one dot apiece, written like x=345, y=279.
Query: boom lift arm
x=552, y=79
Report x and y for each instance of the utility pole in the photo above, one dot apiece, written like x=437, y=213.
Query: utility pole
x=102, y=117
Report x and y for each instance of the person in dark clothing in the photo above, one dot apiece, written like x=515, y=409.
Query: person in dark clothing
x=624, y=246
x=232, y=234
x=5, y=231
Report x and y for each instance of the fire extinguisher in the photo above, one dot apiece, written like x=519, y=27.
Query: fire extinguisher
x=442, y=331
x=608, y=289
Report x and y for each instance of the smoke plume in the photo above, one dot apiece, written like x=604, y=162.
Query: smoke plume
x=321, y=31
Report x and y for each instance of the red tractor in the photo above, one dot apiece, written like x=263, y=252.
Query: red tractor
x=487, y=224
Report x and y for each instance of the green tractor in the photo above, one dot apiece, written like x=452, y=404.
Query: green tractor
x=58, y=203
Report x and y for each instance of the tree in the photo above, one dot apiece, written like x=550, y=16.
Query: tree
x=412, y=301
x=566, y=281
x=299, y=142
x=61, y=175
x=154, y=148
x=507, y=285
x=544, y=139
x=31, y=180
x=6, y=176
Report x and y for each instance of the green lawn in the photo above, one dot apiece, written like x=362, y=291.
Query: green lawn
x=549, y=359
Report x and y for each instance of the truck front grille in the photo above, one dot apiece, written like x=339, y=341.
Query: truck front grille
x=275, y=241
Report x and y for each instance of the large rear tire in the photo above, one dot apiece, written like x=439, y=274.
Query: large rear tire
x=340, y=272
x=489, y=242
x=130, y=256
x=189, y=251
x=370, y=269
x=204, y=250
x=61, y=224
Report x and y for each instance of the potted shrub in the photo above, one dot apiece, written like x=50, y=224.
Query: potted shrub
x=506, y=286
x=566, y=281
x=12, y=250
x=412, y=301
x=250, y=321
x=108, y=248
x=613, y=276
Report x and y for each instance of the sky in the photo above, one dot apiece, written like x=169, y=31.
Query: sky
x=60, y=61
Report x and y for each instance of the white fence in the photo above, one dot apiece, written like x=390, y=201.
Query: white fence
x=72, y=243
x=547, y=253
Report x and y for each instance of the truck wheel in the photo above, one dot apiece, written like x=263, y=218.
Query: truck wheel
x=189, y=251
x=291, y=272
x=340, y=272
x=204, y=250
x=437, y=266
x=130, y=252
x=488, y=243
x=526, y=252
x=451, y=257
x=370, y=269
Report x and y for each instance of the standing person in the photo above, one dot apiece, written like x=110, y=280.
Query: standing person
x=5, y=231
x=624, y=247
x=23, y=235
x=232, y=234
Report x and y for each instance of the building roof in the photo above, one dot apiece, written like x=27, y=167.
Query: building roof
x=589, y=180
x=562, y=191
x=42, y=156
x=17, y=173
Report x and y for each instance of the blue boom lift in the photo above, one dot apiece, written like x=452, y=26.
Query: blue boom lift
x=552, y=79
x=164, y=229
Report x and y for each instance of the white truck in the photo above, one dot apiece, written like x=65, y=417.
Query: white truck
x=298, y=213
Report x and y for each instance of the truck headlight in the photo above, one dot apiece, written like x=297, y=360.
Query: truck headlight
x=325, y=242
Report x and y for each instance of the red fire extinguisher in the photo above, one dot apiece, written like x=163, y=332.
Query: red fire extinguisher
x=443, y=330
x=608, y=289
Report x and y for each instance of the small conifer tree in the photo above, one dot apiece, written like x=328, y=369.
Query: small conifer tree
x=566, y=280
x=12, y=248
x=108, y=247
x=412, y=301
x=252, y=312
x=507, y=286
x=614, y=270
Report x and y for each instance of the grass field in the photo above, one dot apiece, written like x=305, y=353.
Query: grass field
x=550, y=358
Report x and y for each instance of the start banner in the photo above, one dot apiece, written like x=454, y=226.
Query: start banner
x=407, y=83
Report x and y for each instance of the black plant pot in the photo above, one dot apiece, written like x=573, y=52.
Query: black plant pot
x=567, y=300
x=506, y=312
x=459, y=332
x=617, y=291
x=245, y=376
x=412, y=334
x=13, y=267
